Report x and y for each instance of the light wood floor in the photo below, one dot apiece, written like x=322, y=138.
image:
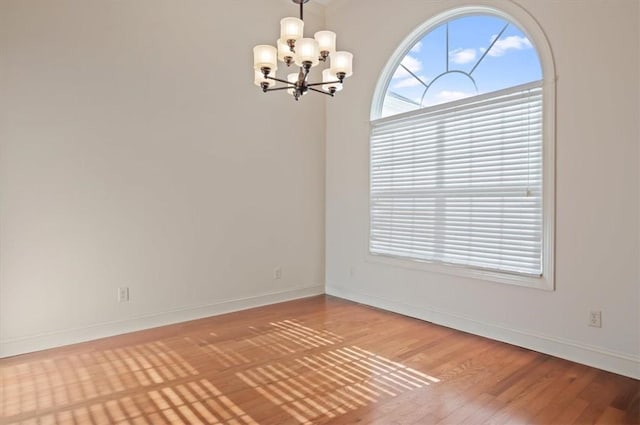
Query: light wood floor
x=320, y=360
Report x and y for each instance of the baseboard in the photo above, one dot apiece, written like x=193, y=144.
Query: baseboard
x=620, y=363
x=12, y=347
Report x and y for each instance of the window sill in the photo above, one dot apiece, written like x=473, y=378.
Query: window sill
x=542, y=283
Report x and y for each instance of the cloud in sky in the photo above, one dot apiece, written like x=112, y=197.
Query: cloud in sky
x=417, y=47
x=512, y=42
x=409, y=81
x=411, y=63
x=451, y=95
x=462, y=56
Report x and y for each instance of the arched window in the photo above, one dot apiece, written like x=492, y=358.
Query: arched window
x=462, y=149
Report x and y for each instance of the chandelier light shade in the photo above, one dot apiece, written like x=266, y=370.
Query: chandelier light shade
x=291, y=30
x=331, y=85
x=284, y=53
x=292, y=79
x=326, y=41
x=293, y=48
x=307, y=50
x=342, y=64
x=265, y=57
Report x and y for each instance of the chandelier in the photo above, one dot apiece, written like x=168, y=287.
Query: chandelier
x=294, y=48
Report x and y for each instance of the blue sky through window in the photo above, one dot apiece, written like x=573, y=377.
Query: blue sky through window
x=463, y=57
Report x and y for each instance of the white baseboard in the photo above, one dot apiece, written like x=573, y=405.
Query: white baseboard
x=12, y=347
x=620, y=363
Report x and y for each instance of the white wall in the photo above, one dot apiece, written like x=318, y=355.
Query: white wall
x=596, y=48
x=136, y=151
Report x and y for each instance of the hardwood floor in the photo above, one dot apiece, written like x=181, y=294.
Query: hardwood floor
x=320, y=360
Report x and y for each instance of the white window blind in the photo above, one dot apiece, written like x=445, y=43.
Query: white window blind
x=461, y=183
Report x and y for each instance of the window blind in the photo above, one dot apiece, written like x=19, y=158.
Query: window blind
x=461, y=183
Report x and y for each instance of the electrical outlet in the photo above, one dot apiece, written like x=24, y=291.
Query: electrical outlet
x=595, y=319
x=123, y=294
x=277, y=273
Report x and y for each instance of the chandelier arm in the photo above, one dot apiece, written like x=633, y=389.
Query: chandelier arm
x=278, y=88
x=281, y=80
x=323, y=83
x=320, y=91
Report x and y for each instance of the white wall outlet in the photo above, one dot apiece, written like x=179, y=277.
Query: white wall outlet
x=595, y=319
x=277, y=273
x=123, y=294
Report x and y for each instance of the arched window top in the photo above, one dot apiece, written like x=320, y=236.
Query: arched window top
x=460, y=54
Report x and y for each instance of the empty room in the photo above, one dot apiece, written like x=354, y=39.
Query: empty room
x=270, y=212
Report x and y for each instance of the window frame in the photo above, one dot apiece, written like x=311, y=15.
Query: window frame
x=521, y=18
